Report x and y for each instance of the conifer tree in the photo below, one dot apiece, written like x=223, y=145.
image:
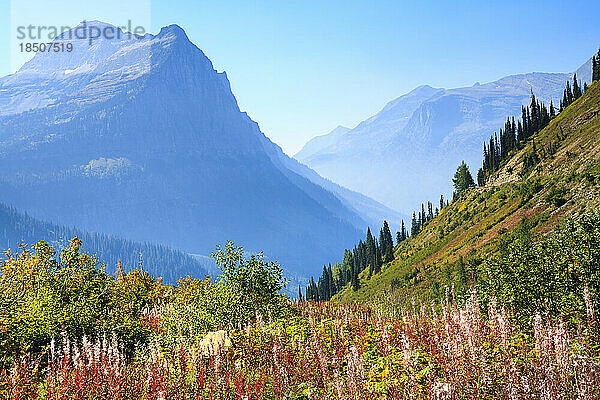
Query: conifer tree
x=576, y=88
x=403, y=232
x=330, y=283
x=414, y=230
x=480, y=177
x=533, y=108
x=462, y=178
x=355, y=281
x=525, y=127
x=596, y=67
x=378, y=260
x=382, y=241
x=388, y=241
x=389, y=255
x=370, y=244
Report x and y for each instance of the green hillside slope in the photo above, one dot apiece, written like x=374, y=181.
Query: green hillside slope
x=554, y=175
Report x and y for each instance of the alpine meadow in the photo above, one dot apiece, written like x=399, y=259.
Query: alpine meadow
x=157, y=243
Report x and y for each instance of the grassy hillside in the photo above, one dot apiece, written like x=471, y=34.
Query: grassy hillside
x=554, y=175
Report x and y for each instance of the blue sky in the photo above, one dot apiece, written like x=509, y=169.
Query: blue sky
x=300, y=68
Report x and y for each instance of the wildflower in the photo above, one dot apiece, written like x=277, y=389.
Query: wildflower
x=589, y=307
x=442, y=391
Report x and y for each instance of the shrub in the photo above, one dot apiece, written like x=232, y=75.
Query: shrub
x=556, y=197
x=550, y=275
x=42, y=297
x=246, y=289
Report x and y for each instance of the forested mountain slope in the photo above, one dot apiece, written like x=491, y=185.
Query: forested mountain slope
x=161, y=261
x=408, y=150
x=554, y=175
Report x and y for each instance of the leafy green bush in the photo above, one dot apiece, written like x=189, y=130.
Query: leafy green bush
x=556, y=197
x=550, y=275
x=254, y=283
x=42, y=297
x=248, y=288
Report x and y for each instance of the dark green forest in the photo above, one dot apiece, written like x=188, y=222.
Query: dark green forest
x=18, y=228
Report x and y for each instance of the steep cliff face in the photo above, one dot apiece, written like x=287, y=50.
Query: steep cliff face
x=142, y=137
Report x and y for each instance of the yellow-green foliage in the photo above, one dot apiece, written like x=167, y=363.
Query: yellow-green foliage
x=42, y=297
x=448, y=248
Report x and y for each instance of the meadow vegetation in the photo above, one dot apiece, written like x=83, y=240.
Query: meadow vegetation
x=525, y=328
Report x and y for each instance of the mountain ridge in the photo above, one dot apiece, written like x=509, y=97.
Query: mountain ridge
x=442, y=128
x=151, y=144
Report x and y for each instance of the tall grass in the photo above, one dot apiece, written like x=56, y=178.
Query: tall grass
x=329, y=351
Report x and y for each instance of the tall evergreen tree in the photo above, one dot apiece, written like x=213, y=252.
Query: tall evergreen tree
x=414, y=230
x=387, y=237
x=576, y=88
x=568, y=94
x=331, y=289
x=462, y=178
x=355, y=281
x=480, y=177
x=378, y=260
x=596, y=67
x=524, y=129
x=533, y=108
x=371, y=251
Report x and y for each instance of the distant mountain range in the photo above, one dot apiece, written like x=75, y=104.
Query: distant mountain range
x=140, y=137
x=406, y=154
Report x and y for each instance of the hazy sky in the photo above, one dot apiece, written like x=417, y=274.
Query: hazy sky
x=300, y=68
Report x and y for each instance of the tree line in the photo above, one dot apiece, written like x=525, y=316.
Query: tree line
x=535, y=117
x=158, y=260
x=369, y=254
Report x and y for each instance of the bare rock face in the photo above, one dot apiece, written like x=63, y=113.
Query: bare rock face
x=143, y=138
